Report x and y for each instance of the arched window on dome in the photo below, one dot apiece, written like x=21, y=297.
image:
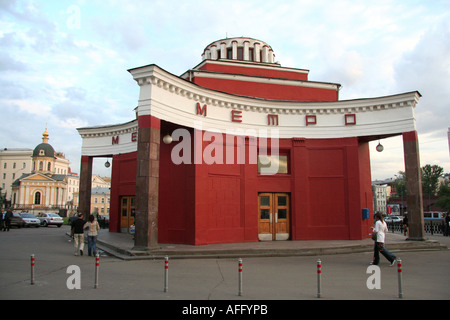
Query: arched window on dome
x=41, y=166
x=49, y=166
x=37, y=198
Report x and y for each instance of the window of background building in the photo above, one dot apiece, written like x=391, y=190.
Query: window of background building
x=37, y=198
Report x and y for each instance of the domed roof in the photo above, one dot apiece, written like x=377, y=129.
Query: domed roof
x=44, y=149
x=240, y=48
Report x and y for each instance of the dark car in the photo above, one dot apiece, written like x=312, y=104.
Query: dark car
x=16, y=220
x=30, y=220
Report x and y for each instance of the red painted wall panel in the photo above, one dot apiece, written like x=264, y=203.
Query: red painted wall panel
x=260, y=72
x=326, y=189
x=268, y=90
x=123, y=183
x=176, y=195
x=328, y=182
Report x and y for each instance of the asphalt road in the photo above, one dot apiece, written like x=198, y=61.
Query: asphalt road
x=425, y=276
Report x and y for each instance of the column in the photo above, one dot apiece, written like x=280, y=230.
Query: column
x=257, y=52
x=147, y=183
x=414, y=200
x=213, y=52
x=246, y=50
x=84, y=201
x=234, y=52
x=265, y=54
x=223, y=50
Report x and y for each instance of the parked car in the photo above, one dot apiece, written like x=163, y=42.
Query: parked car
x=49, y=218
x=30, y=219
x=16, y=220
x=393, y=219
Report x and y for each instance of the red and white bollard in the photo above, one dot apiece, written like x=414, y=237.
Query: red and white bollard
x=97, y=264
x=240, y=277
x=319, y=274
x=166, y=274
x=32, y=269
x=399, y=272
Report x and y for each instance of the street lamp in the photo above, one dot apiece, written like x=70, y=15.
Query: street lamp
x=379, y=147
x=167, y=139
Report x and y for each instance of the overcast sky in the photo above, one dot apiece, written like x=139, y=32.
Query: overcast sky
x=64, y=63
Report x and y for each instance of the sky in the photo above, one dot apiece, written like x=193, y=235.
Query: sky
x=63, y=64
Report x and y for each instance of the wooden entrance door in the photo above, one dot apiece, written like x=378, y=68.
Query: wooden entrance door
x=273, y=216
x=127, y=210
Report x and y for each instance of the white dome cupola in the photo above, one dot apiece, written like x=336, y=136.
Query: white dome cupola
x=243, y=49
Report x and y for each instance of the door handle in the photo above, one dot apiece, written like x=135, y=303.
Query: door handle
x=270, y=217
x=276, y=217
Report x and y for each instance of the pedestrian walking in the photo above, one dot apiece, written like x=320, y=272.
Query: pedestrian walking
x=405, y=225
x=379, y=246
x=1, y=221
x=77, y=231
x=447, y=224
x=7, y=219
x=93, y=227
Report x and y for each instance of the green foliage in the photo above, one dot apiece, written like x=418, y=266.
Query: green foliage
x=430, y=179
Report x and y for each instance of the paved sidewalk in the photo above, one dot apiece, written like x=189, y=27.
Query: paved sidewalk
x=121, y=245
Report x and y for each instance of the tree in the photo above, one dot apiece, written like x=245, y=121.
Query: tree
x=444, y=203
x=444, y=199
x=430, y=179
x=400, y=184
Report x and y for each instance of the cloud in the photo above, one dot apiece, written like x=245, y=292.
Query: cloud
x=426, y=68
x=65, y=62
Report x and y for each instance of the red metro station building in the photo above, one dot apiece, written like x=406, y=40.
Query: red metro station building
x=241, y=149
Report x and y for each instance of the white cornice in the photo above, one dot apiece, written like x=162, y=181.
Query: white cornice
x=173, y=99
x=109, y=140
x=108, y=130
x=155, y=76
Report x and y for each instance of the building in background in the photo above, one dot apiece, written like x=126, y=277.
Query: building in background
x=46, y=186
x=380, y=198
x=13, y=163
x=40, y=179
x=100, y=196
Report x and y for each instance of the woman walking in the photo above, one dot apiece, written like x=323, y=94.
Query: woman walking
x=381, y=229
x=93, y=228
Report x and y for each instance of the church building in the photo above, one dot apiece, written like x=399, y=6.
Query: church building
x=46, y=186
x=242, y=149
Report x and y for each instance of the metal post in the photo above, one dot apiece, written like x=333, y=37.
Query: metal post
x=97, y=263
x=32, y=269
x=240, y=277
x=319, y=273
x=399, y=271
x=166, y=274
